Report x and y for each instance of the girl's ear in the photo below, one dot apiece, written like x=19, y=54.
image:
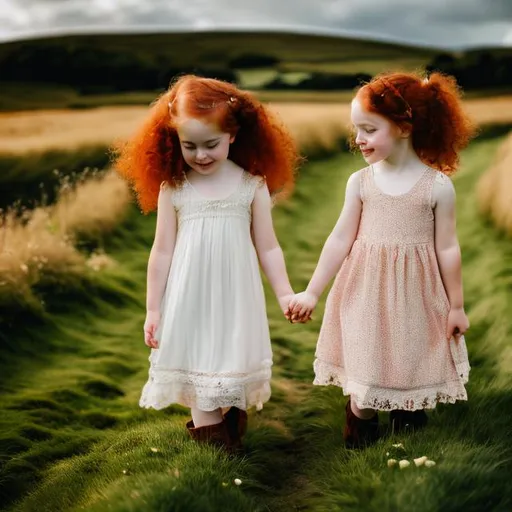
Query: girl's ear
x=232, y=139
x=404, y=132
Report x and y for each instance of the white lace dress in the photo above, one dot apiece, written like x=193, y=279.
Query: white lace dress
x=214, y=343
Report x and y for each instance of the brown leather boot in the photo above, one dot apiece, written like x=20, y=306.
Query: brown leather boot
x=357, y=432
x=236, y=423
x=407, y=421
x=216, y=435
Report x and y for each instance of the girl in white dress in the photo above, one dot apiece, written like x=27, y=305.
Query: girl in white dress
x=208, y=158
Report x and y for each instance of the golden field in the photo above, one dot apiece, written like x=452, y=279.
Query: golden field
x=494, y=190
x=40, y=245
x=312, y=123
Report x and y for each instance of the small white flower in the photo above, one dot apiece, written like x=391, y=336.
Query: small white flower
x=398, y=445
x=420, y=461
x=404, y=464
x=224, y=484
x=154, y=450
x=430, y=463
x=237, y=481
x=391, y=463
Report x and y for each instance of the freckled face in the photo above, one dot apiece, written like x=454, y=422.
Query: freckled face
x=376, y=136
x=203, y=145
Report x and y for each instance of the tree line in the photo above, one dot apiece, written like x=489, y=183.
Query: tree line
x=101, y=70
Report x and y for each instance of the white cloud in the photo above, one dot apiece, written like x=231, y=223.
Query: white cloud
x=507, y=38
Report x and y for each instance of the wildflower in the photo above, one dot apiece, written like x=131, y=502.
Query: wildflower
x=398, y=445
x=404, y=464
x=430, y=463
x=237, y=481
x=154, y=450
x=224, y=484
x=391, y=463
x=420, y=461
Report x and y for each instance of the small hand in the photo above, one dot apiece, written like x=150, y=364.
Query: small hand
x=284, y=301
x=150, y=326
x=458, y=323
x=301, y=307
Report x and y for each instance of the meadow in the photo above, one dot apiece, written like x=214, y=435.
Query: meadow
x=73, y=437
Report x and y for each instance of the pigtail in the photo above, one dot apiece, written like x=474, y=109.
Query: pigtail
x=263, y=146
x=429, y=108
x=146, y=159
x=441, y=128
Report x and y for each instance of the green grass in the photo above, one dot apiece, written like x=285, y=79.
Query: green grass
x=74, y=438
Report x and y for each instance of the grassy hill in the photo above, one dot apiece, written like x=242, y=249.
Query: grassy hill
x=80, y=71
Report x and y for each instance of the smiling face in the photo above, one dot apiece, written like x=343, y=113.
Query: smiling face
x=203, y=145
x=376, y=136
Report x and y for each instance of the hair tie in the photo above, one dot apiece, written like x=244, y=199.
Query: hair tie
x=408, y=110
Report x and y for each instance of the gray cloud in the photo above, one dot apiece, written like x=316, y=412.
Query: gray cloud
x=437, y=22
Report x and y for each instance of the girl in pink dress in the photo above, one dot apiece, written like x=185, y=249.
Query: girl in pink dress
x=392, y=332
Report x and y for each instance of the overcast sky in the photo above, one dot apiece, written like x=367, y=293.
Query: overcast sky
x=441, y=23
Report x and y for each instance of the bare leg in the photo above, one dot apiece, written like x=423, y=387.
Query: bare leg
x=204, y=418
x=363, y=414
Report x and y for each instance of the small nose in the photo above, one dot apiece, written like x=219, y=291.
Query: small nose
x=359, y=138
x=201, y=154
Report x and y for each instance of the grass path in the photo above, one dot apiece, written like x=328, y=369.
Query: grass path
x=73, y=437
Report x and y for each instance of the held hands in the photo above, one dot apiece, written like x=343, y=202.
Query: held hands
x=301, y=307
x=458, y=323
x=150, y=326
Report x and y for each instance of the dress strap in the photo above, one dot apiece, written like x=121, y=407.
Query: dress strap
x=424, y=188
x=249, y=185
x=364, y=182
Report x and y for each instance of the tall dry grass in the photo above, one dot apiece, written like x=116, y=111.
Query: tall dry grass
x=494, y=190
x=22, y=132
x=38, y=248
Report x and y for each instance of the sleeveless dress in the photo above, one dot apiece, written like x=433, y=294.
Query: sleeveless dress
x=214, y=342
x=383, y=333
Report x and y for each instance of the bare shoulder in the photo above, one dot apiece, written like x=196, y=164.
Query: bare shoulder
x=354, y=183
x=443, y=192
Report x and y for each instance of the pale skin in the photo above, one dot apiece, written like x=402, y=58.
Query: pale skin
x=215, y=177
x=397, y=168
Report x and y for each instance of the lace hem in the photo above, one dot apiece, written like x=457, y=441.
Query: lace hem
x=205, y=391
x=368, y=397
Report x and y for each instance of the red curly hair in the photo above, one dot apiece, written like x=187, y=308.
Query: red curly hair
x=430, y=108
x=262, y=145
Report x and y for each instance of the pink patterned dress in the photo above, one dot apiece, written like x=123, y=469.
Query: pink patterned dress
x=383, y=334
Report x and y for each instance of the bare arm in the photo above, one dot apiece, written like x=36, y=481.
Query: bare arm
x=162, y=251
x=448, y=254
x=335, y=250
x=446, y=243
x=268, y=249
x=341, y=239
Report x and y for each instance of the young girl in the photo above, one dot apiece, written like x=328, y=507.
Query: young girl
x=209, y=157
x=392, y=330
